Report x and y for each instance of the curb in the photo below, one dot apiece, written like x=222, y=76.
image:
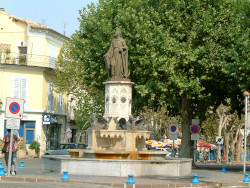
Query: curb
x=124, y=185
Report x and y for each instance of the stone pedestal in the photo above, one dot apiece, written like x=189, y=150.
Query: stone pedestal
x=118, y=99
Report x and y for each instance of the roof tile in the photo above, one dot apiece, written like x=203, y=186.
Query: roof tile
x=30, y=23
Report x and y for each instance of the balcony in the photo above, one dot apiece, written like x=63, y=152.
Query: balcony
x=27, y=59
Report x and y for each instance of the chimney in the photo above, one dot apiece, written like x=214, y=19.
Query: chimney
x=2, y=9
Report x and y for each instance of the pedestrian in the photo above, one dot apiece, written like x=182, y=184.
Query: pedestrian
x=15, y=142
x=201, y=157
x=15, y=152
x=205, y=155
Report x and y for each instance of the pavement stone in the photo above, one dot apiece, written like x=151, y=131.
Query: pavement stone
x=208, y=177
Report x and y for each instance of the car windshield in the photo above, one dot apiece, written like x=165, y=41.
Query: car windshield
x=71, y=146
x=61, y=146
x=82, y=146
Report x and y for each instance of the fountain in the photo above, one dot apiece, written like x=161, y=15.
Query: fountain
x=116, y=141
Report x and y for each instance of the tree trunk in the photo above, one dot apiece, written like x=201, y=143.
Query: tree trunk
x=222, y=121
x=239, y=148
x=186, y=148
x=226, y=146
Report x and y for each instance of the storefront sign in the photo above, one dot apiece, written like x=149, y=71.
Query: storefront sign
x=46, y=119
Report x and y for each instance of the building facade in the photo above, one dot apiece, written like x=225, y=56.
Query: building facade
x=28, y=52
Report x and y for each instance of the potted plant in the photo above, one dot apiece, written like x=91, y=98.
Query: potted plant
x=7, y=56
x=21, y=152
x=22, y=59
x=34, y=149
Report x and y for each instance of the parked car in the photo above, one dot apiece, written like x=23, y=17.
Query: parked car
x=62, y=149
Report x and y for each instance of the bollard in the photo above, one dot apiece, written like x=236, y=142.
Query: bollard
x=195, y=180
x=21, y=165
x=223, y=169
x=130, y=179
x=1, y=170
x=65, y=176
x=246, y=178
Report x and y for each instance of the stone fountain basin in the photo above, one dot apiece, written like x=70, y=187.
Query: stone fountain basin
x=117, y=167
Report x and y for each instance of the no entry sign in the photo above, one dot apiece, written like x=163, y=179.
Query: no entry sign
x=14, y=108
x=195, y=129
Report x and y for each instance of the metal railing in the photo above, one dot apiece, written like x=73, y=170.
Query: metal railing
x=27, y=59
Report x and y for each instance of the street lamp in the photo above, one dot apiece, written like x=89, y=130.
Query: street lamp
x=246, y=95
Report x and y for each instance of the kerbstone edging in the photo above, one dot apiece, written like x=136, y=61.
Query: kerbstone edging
x=124, y=185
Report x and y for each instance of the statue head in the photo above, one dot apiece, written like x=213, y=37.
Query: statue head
x=118, y=32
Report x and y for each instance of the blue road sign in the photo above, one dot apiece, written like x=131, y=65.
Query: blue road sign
x=14, y=108
x=46, y=119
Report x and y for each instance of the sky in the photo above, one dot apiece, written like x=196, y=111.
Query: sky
x=56, y=14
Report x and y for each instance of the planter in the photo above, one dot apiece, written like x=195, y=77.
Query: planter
x=21, y=154
x=32, y=153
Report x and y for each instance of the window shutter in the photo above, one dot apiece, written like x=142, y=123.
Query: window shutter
x=24, y=88
x=16, y=87
x=60, y=103
x=50, y=98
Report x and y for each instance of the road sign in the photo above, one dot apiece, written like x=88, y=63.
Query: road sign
x=219, y=139
x=173, y=128
x=173, y=136
x=195, y=136
x=68, y=135
x=242, y=132
x=46, y=119
x=68, y=130
x=195, y=129
x=14, y=108
x=12, y=123
x=195, y=121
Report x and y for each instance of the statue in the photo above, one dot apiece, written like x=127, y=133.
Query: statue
x=116, y=58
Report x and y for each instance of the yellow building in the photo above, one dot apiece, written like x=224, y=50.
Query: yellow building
x=28, y=51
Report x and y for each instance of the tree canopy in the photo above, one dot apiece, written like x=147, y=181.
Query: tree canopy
x=186, y=54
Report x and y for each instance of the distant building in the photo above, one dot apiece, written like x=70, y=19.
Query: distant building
x=28, y=51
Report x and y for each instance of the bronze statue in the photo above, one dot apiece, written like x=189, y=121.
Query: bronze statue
x=117, y=57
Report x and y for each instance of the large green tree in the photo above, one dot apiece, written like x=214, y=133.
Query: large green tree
x=182, y=53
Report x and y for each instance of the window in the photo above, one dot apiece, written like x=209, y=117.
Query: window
x=22, y=54
x=50, y=98
x=20, y=88
x=60, y=103
x=26, y=131
x=52, y=58
x=22, y=50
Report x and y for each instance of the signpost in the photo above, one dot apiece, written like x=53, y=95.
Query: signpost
x=246, y=95
x=68, y=134
x=195, y=130
x=13, y=113
x=173, y=132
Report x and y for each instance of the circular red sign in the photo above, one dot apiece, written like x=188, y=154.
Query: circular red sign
x=68, y=135
x=14, y=107
x=173, y=128
x=195, y=129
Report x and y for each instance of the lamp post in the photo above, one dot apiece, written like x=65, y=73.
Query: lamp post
x=246, y=95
